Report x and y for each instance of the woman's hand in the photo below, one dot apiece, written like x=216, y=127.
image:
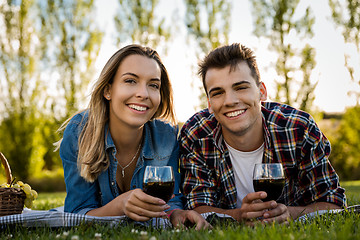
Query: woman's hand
x=140, y=206
x=181, y=217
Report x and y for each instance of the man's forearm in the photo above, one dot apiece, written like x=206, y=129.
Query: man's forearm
x=298, y=211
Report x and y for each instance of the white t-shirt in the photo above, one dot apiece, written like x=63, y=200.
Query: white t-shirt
x=243, y=164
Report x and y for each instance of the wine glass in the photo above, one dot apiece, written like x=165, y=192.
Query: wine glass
x=159, y=182
x=269, y=177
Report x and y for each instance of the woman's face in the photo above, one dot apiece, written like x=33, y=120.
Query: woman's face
x=134, y=96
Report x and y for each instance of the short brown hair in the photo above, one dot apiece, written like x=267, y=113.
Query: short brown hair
x=229, y=55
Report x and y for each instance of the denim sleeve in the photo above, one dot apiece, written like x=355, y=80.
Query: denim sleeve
x=177, y=201
x=82, y=196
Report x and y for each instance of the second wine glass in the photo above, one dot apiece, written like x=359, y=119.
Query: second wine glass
x=270, y=178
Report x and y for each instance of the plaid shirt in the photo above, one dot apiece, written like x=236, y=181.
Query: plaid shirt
x=291, y=138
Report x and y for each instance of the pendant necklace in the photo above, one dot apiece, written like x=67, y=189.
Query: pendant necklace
x=123, y=168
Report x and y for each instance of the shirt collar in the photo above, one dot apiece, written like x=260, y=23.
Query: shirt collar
x=268, y=148
x=217, y=134
x=148, y=148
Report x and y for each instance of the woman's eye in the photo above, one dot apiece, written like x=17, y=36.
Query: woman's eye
x=155, y=85
x=130, y=80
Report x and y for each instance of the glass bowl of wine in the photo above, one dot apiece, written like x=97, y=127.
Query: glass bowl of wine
x=270, y=178
x=159, y=182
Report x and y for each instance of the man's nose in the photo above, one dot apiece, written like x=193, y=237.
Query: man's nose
x=231, y=98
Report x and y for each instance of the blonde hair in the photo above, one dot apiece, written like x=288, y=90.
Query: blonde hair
x=92, y=158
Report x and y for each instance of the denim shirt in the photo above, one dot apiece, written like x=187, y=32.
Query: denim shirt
x=160, y=148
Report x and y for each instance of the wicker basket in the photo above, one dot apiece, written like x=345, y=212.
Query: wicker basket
x=11, y=199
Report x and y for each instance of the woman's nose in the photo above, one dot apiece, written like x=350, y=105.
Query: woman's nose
x=142, y=91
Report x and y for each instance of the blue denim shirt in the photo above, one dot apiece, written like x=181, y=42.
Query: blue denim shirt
x=160, y=148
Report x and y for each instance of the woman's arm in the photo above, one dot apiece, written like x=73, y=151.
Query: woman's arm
x=135, y=204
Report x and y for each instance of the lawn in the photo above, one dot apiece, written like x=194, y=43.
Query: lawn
x=341, y=226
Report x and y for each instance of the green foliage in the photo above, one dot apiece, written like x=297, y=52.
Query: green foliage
x=48, y=181
x=276, y=20
x=70, y=59
x=48, y=52
x=212, y=31
x=136, y=20
x=345, y=15
x=345, y=141
x=209, y=23
x=19, y=86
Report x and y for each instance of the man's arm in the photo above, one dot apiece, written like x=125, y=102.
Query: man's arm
x=270, y=211
x=299, y=211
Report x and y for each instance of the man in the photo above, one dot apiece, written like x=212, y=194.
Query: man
x=220, y=146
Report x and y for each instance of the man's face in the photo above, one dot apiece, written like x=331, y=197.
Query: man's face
x=235, y=99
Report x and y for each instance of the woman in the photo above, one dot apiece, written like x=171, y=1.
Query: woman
x=106, y=147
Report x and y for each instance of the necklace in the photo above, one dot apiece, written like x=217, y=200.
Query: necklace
x=123, y=168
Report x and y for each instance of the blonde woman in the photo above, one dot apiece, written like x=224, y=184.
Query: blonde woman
x=106, y=147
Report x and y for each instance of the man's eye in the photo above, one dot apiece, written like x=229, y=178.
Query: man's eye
x=241, y=88
x=214, y=94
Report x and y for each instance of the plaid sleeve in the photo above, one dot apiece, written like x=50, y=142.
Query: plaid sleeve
x=198, y=182
x=318, y=181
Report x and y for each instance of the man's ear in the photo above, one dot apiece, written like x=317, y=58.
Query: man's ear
x=263, y=91
x=107, y=92
x=209, y=105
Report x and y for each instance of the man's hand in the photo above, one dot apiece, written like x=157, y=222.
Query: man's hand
x=253, y=210
x=181, y=218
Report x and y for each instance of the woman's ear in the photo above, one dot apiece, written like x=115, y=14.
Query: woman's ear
x=107, y=92
x=263, y=92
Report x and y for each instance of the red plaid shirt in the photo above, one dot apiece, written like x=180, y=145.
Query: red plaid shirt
x=291, y=138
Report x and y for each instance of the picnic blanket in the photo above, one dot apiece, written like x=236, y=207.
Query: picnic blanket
x=58, y=218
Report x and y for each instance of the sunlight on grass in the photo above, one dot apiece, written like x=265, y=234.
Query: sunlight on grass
x=48, y=201
x=351, y=183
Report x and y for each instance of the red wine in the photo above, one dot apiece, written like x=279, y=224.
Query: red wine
x=163, y=190
x=273, y=187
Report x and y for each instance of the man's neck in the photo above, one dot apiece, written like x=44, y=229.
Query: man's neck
x=247, y=142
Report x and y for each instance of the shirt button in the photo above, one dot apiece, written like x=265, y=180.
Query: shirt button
x=112, y=183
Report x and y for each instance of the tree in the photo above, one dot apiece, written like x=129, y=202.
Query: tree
x=75, y=44
x=136, y=20
x=19, y=83
x=276, y=21
x=345, y=142
x=345, y=15
x=208, y=22
x=70, y=45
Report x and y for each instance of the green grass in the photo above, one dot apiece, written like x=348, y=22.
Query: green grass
x=46, y=201
x=346, y=226
x=352, y=191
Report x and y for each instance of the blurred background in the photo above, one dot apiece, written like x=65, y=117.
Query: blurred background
x=52, y=51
